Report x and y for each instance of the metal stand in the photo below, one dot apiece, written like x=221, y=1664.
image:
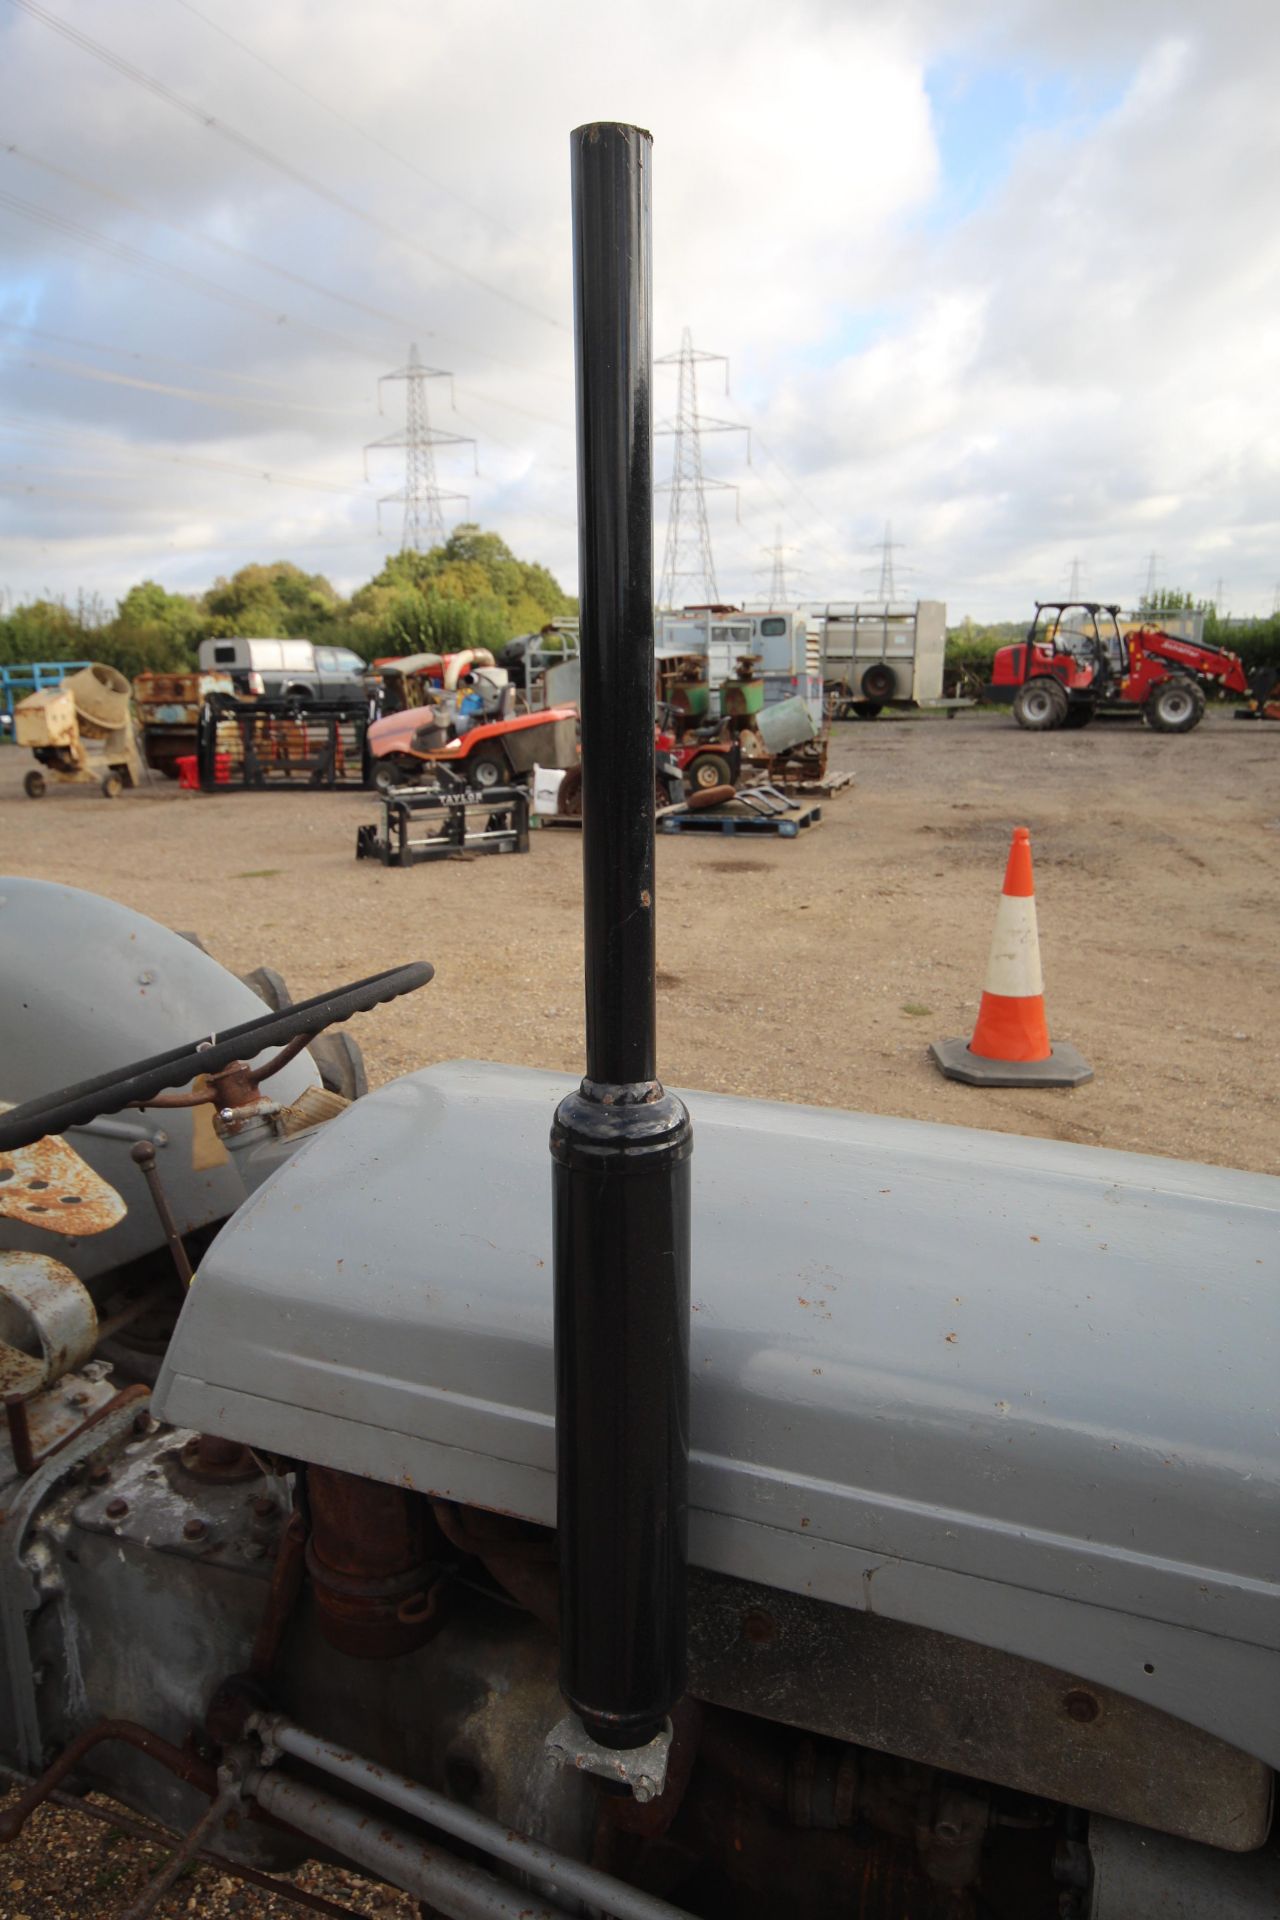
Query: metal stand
x=620, y=1144
x=275, y=742
x=450, y=811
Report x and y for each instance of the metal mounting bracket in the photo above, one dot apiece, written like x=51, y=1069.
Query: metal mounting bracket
x=642, y=1770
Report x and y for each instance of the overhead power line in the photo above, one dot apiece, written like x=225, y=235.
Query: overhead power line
x=396, y=320
x=794, y=484
x=207, y=239
x=336, y=113
x=245, y=142
x=140, y=262
x=108, y=502
x=227, y=402
x=241, y=469
x=132, y=353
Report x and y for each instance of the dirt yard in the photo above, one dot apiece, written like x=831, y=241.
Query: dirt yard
x=814, y=969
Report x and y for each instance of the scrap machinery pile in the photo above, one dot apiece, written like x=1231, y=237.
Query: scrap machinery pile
x=830, y=1514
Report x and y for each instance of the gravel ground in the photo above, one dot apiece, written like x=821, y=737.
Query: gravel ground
x=69, y=1866
x=815, y=969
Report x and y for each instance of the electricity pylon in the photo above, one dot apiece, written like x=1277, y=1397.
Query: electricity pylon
x=777, y=553
x=688, y=567
x=422, y=497
x=888, y=546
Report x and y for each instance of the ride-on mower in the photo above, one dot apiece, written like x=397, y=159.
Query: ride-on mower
x=1076, y=663
x=756, y=1510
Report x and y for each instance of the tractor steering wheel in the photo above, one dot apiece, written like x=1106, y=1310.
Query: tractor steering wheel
x=140, y=1084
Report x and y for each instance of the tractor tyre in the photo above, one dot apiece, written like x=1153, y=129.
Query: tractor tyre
x=1039, y=705
x=707, y=770
x=569, y=798
x=868, y=710
x=1079, y=715
x=388, y=773
x=1176, y=706
x=485, y=770
x=270, y=988
x=878, y=682
x=34, y=785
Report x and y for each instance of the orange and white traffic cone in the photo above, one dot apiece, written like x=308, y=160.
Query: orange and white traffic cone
x=1010, y=1045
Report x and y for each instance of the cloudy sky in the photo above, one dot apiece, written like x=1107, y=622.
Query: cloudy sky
x=1002, y=273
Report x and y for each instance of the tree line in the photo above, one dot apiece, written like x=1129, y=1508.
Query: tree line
x=470, y=592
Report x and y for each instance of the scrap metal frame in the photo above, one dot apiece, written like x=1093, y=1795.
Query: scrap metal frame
x=337, y=763
x=402, y=806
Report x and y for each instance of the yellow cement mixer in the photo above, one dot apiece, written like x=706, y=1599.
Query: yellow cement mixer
x=81, y=730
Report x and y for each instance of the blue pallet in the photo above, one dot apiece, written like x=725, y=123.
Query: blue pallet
x=740, y=823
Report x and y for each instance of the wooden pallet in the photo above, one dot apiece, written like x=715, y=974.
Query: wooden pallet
x=785, y=828
x=827, y=783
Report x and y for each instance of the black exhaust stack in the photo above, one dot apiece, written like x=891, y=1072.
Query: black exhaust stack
x=620, y=1145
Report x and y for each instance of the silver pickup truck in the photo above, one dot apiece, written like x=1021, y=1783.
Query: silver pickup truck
x=295, y=667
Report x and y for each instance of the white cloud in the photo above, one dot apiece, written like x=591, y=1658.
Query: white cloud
x=1087, y=364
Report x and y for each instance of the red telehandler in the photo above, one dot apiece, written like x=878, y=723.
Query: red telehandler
x=1075, y=662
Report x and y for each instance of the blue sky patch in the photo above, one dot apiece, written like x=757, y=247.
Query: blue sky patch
x=982, y=116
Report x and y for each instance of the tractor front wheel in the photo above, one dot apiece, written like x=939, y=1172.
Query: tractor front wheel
x=1176, y=706
x=390, y=772
x=706, y=771
x=34, y=785
x=485, y=770
x=1040, y=705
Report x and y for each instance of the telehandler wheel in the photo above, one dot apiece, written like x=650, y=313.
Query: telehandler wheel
x=34, y=785
x=707, y=770
x=1039, y=705
x=1176, y=706
x=112, y=786
x=1079, y=715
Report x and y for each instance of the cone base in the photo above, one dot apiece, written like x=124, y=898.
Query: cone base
x=1065, y=1067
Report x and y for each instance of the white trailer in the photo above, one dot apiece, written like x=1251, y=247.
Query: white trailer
x=877, y=654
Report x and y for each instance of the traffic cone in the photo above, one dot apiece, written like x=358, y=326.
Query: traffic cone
x=1010, y=1045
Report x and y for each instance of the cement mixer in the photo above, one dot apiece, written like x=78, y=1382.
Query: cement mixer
x=81, y=731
